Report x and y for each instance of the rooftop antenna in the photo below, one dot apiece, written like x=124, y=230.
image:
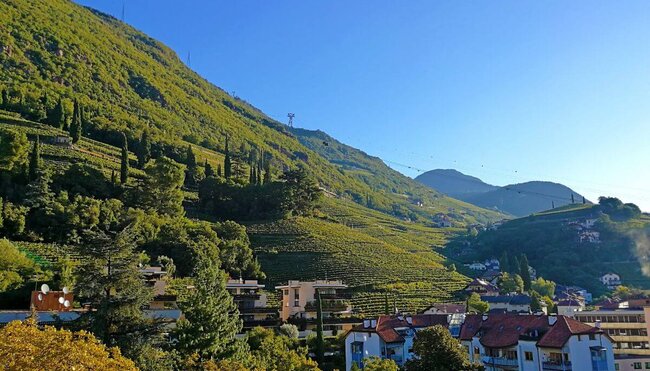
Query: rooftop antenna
x=291, y=116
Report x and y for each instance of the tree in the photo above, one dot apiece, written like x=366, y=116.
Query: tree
x=320, y=342
x=35, y=160
x=378, y=364
x=524, y=271
x=219, y=171
x=15, y=266
x=13, y=149
x=56, y=116
x=6, y=102
x=535, y=301
x=277, y=353
x=289, y=330
x=474, y=302
x=573, y=201
x=504, y=262
x=109, y=280
x=511, y=283
x=209, y=171
x=192, y=171
x=161, y=187
x=23, y=346
x=76, y=124
x=584, y=200
x=437, y=350
x=543, y=287
x=124, y=165
x=144, y=150
x=211, y=320
x=227, y=163
x=515, y=267
x=300, y=192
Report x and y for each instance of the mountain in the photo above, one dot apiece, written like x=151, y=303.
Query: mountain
x=374, y=229
x=454, y=183
x=515, y=199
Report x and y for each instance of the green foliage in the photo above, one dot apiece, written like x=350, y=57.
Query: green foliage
x=511, y=283
x=437, y=350
x=124, y=163
x=289, y=330
x=235, y=252
x=35, y=160
x=84, y=180
x=13, y=219
x=543, y=287
x=13, y=149
x=161, y=189
x=300, y=192
x=56, y=117
x=15, y=267
x=277, y=353
x=144, y=150
x=378, y=364
x=524, y=271
x=76, y=124
x=474, y=303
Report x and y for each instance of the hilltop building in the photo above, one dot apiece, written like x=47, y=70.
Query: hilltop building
x=252, y=303
x=482, y=288
x=519, y=303
x=611, y=280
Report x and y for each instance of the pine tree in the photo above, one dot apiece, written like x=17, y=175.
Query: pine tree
x=124, y=167
x=514, y=265
x=4, y=101
x=320, y=343
x=43, y=108
x=209, y=171
x=211, y=318
x=144, y=150
x=110, y=281
x=57, y=115
x=584, y=201
x=35, y=160
x=75, y=125
x=524, y=272
x=504, y=262
x=227, y=164
x=267, y=173
x=573, y=201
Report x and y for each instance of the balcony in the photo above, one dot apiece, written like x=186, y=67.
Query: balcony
x=331, y=305
x=556, y=366
x=500, y=361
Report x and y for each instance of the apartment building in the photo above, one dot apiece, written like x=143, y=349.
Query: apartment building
x=299, y=299
x=252, y=303
x=626, y=327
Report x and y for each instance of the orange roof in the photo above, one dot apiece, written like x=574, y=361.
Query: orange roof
x=562, y=330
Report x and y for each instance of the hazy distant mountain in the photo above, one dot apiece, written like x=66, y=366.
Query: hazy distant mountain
x=454, y=183
x=516, y=199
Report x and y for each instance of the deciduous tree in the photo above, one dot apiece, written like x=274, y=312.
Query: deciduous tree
x=437, y=350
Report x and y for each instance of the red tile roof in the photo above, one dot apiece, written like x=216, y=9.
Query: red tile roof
x=504, y=330
x=562, y=330
x=386, y=325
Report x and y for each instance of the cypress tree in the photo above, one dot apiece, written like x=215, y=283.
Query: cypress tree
x=209, y=171
x=227, y=165
x=251, y=175
x=43, y=109
x=514, y=265
x=584, y=201
x=573, y=201
x=113, y=177
x=75, y=125
x=4, y=101
x=386, y=307
x=35, y=160
x=504, y=262
x=124, y=166
x=267, y=173
x=56, y=117
x=144, y=150
x=320, y=344
x=524, y=272
x=190, y=161
x=219, y=171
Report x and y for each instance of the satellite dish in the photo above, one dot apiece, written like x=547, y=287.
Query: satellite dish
x=66, y=290
x=40, y=297
x=61, y=300
x=45, y=288
x=66, y=303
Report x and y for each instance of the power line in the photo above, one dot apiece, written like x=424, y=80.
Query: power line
x=291, y=116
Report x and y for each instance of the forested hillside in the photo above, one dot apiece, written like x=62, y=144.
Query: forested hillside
x=575, y=244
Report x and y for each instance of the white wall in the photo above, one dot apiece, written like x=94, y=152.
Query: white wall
x=580, y=354
x=372, y=345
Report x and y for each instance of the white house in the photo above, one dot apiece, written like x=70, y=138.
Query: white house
x=569, y=307
x=535, y=343
x=476, y=266
x=611, y=280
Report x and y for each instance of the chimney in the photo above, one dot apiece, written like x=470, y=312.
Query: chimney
x=597, y=324
x=373, y=323
x=366, y=323
x=409, y=320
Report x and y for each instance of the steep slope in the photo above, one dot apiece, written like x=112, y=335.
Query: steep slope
x=526, y=198
x=575, y=244
x=129, y=82
x=454, y=183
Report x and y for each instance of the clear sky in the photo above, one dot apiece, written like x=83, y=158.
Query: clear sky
x=508, y=91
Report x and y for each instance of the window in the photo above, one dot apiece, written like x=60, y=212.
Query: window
x=647, y=365
x=637, y=365
x=592, y=337
x=616, y=367
x=528, y=356
x=296, y=297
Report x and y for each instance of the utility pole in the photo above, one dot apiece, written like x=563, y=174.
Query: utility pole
x=122, y=11
x=291, y=116
x=189, y=60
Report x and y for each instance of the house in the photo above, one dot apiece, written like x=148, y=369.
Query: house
x=492, y=264
x=476, y=266
x=299, y=306
x=445, y=308
x=508, y=303
x=391, y=337
x=481, y=287
x=589, y=236
x=498, y=342
x=61, y=140
x=491, y=276
x=535, y=343
x=627, y=327
x=631, y=363
x=568, y=307
x=252, y=303
x=563, y=292
x=611, y=280
x=154, y=277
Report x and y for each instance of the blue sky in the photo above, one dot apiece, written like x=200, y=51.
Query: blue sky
x=508, y=91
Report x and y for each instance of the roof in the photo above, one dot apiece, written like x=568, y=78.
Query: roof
x=508, y=299
x=562, y=330
x=485, y=284
x=447, y=308
x=387, y=325
x=608, y=304
x=7, y=316
x=504, y=330
x=569, y=303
